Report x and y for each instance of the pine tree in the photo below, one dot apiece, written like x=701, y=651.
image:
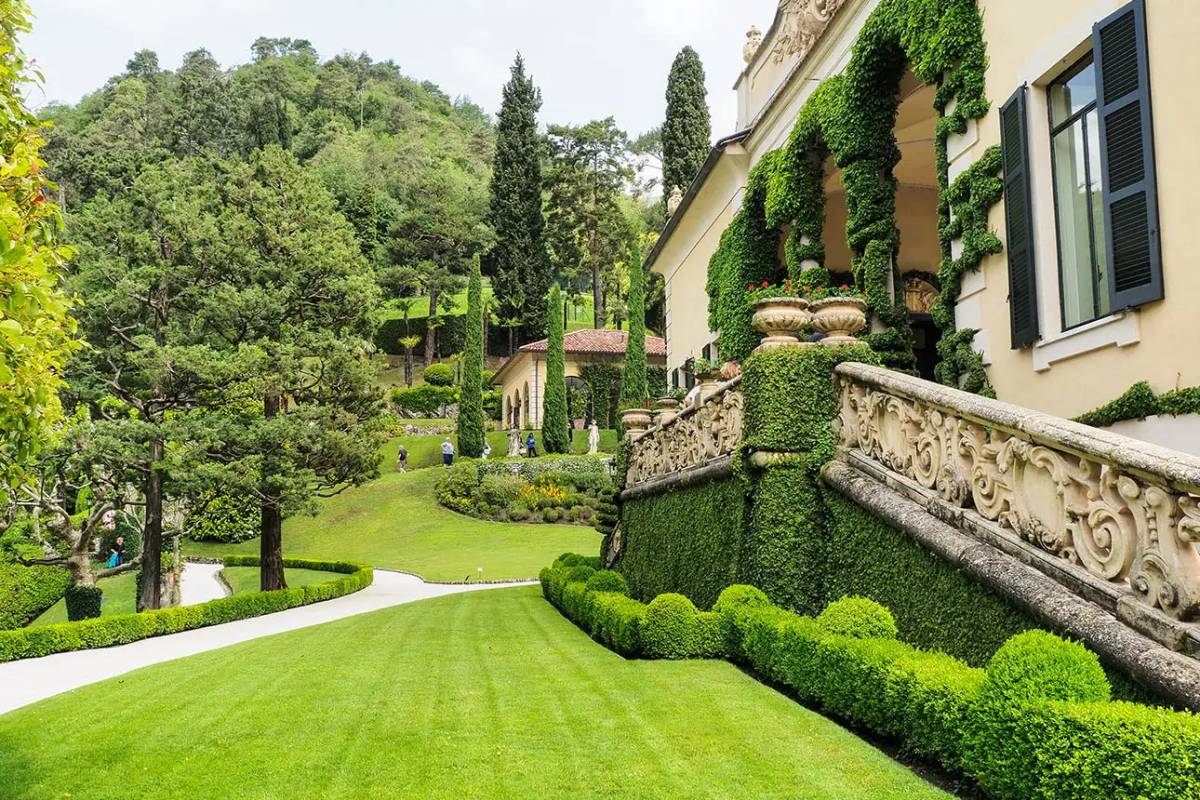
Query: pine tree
x=470, y=404
x=687, y=132
x=518, y=263
x=556, y=433
x=633, y=381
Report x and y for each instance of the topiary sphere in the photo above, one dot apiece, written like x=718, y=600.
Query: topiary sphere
x=740, y=594
x=859, y=618
x=439, y=375
x=1038, y=664
x=607, y=580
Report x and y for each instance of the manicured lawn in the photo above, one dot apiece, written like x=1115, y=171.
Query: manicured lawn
x=119, y=596
x=426, y=451
x=396, y=523
x=481, y=695
x=245, y=579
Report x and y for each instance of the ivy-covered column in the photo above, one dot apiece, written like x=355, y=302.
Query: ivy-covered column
x=788, y=435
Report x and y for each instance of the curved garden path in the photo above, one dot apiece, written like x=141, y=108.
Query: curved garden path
x=30, y=680
x=200, y=584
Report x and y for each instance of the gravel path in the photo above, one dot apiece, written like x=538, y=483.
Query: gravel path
x=200, y=584
x=30, y=680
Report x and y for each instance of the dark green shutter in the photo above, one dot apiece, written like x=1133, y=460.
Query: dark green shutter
x=1018, y=221
x=1127, y=158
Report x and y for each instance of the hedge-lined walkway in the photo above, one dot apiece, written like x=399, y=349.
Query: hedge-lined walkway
x=30, y=680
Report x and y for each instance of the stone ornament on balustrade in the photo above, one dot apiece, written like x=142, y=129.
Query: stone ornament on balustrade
x=696, y=436
x=1126, y=512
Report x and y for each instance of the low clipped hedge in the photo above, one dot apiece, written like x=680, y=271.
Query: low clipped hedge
x=25, y=592
x=125, y=628
x=1037, y=724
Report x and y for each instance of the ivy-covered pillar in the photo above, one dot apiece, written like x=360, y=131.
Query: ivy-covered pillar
x=788, y=435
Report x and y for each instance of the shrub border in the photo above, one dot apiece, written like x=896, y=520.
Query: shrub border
x=124, y=628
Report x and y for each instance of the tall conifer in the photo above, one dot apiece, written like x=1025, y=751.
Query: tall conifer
x=470, y=404
x=518, y=263
x=556, y=432
x=687, y=132
x=633, y=380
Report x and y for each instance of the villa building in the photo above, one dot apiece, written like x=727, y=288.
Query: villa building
x=1094, y=281
x=522, y=377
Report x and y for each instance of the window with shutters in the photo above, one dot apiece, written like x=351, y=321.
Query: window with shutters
x=1078, y=195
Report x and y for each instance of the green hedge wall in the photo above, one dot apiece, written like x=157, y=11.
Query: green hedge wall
x=125, y=628
x=685, y=541
x=25, y=592
x=1038, y=722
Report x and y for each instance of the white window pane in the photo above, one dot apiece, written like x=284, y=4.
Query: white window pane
x=1074, y=234
x=1099, y=246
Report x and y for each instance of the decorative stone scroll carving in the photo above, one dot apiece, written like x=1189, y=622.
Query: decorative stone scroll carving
x=919, y=295
x=753, y=42
x=693, y=438
x=1125, y=525
x=802, y=24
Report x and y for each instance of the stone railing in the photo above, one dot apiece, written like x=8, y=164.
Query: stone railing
x=697, y=437
x=1115, y=519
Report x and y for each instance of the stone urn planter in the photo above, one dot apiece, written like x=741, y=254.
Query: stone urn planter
x=839, y=318
x=710, y=384
x=779, y=319
x=668, y=409
x=635, y=420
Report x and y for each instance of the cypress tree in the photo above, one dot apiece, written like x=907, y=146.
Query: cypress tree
x=556, y=432
x=634, y=391
x=471, y=432
x=687, y=132
x=518, y=262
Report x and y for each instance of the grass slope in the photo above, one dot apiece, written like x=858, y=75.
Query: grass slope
x=246, y=579
x=426, y=451
x=481, y=695
x=395, y=523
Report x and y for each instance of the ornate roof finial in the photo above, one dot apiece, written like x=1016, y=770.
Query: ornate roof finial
x=673, y=201
x=753, y=42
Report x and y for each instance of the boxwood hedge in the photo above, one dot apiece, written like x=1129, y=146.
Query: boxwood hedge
x=125, y=628
x=25, y=592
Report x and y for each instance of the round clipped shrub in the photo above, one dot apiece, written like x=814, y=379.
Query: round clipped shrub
x=579, y=573
x=607, y=580
x=551, y=514
x=439, y=375
x=859, y=618
x=518, y=511
x=740, y=595
x=83, y=602
x=1039, y=665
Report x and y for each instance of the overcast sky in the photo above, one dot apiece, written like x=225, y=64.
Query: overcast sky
x=591, y=59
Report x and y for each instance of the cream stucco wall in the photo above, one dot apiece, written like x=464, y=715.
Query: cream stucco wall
x=529, y=370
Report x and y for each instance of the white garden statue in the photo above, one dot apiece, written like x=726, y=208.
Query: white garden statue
x=593, y=439
x=514, y=443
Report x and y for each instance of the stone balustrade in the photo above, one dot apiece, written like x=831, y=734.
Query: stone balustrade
x=702, y=435
x=1115, y=519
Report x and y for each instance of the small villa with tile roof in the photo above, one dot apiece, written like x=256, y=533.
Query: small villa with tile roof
x=522, y=377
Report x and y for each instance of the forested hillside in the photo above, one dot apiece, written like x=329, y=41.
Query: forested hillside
x=405, y=164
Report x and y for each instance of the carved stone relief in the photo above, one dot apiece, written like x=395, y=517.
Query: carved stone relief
x=691, y=439
x=1121, y=526
x=802, y=24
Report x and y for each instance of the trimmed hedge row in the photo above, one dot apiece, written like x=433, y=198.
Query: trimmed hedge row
x=1037, y=724
x=125, y=628
x=25, y=592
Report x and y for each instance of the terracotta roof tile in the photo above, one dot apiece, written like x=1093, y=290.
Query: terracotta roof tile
x=589, y=341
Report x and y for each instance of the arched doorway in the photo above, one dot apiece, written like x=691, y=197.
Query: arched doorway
x=579, y=402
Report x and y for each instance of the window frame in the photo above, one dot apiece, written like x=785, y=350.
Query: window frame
x=1083, y=62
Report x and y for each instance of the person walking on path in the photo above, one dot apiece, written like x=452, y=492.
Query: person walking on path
x=402, y=459
x=530, y=445
x=447, y=453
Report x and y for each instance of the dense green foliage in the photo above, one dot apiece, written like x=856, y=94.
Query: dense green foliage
x=556, y=427
x=687, y=131
x=685, y=541
x=604, y=384
x=513, y=702
x=439, y=374
x=83, y=602
x=518, y=262
x=426, y=399
x=1010, y=727
x=471, y=425
x=1139, y=402
x=494, y=490
x=635, y=390
x=221, y=517
x=124, y=628
x=25, y=592
x=36, y=333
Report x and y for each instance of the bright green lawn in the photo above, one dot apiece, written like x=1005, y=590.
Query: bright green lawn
x=118, y=596
x=246, y=579
x=396, y=523
x=426, y=451
x=480, y=695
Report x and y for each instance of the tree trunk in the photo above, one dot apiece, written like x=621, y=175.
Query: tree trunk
x=597, y=298
x=512, y=340
x=430, y=329
x=408, y=365
x=80, y=566
x=270, y=576
x=150, y=583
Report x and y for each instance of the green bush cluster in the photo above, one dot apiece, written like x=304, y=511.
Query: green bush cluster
x=26, y=592
x=1036, y=724
x=451, y=334
x=531, y=468
x=83, y=602
x=220, y=518
x=439, y=375
x=556, y=428
x=492, y=490
x=1139, y=402
x=125, y=628
x=597, y=601
x=427, y=399
x=684, y=541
